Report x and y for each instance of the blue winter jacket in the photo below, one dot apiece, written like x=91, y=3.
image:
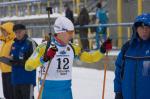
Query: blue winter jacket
x=101, y=15
x=135, y=82
x=21, y=51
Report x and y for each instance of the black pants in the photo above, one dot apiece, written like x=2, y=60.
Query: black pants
x=7, y=87
x=84, y=40
x=23, y=92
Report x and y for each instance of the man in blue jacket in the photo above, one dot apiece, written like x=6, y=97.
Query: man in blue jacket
x=22, y=81
x=132, y=74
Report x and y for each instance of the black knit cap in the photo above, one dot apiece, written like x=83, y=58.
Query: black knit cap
x=19, y=27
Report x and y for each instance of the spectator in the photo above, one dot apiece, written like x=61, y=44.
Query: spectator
x=102, y=18
x=6, y=40
x=83, y=19
x=69, y=13
x=23, y=82
x=132, y=74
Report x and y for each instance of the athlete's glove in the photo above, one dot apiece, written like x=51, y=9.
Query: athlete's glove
x=106, y=46
x=50, y=53
x=118, y=95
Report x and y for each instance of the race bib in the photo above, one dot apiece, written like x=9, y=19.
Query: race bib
x=61, y=65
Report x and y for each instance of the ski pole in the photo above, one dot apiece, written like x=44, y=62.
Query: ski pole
x=49, y=10
x=104, y=81
x=43, y=81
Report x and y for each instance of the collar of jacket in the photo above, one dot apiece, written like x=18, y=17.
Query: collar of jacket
x=58, y=42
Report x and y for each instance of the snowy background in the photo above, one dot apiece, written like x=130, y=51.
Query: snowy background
x=87, y=84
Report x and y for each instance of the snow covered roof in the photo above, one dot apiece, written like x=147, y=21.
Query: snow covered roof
x=18, y=2
x=34, y=17
x=31, y=17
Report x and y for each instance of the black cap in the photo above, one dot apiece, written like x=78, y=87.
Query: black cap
x=19, y=27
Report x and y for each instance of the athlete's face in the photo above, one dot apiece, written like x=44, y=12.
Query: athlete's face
x=144, y=32
x=66, y=36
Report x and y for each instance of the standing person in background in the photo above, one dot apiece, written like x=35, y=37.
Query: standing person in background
x=69, y=13
x=101, y=18
x=23, y=81
x=83, y=19
x=132, y=74
x=6, y=39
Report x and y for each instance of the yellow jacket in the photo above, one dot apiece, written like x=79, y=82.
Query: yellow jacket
x=5, y=44
x=35, y=59
x=88, y=57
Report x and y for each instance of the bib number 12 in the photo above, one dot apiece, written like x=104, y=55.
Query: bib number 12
x=63, y=62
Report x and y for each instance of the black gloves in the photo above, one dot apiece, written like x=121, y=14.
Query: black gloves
x=118, y=95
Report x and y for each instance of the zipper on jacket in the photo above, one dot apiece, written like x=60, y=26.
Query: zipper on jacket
x=136, y=72
x=135, y=79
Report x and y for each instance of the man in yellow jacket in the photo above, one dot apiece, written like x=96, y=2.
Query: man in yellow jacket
x=6, y=39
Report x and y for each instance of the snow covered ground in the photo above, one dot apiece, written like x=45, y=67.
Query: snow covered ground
x=87, y=84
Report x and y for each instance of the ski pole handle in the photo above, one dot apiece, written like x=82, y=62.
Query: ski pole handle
x=49, y=11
